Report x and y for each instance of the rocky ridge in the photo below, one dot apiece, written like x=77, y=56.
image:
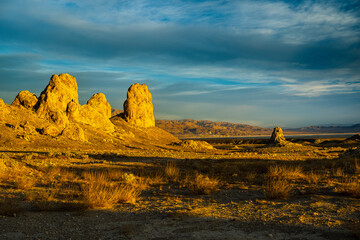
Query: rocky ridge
x=57, y=113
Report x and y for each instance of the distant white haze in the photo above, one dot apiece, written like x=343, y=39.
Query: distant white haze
x=264, y=63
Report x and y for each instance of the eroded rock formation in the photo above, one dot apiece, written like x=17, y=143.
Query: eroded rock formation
x=59, y=103
x=4, y=108
x=54, y=100
x=25, y=99
x=138, y=107
x=74, y=132
x=96, y=112
x=277, y=137
x=198, y=146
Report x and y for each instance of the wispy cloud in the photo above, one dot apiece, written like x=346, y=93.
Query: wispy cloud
x=319, y=88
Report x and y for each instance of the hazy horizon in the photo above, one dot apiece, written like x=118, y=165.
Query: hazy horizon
x=263, y=63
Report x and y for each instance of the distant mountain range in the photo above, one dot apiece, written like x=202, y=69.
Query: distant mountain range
x=204, y=128
x=188, y=128
x=329, y=129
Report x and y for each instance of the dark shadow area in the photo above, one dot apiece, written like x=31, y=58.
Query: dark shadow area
x=122, y=223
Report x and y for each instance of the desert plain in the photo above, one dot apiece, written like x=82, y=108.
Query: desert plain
x=71, y=171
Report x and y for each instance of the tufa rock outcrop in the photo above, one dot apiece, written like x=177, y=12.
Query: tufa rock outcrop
x=4, y=108
x=25, y=99
x=198, y=146
x=74, y=132
x=138, y=107
x=59, y=103
x=277, y=137
x=96, y=112
x=54, y=100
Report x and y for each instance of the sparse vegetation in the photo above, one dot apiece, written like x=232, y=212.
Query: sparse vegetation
x=252, y=179
x=279, y=189
x=313, y=177
x=201, y=184
x=171, y=171
x=100, y=192
x=339, y=172
x=286, y=172
x=350, y=187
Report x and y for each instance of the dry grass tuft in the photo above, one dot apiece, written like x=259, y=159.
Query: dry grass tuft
x=171, y=171
x=350, y=187
x=338, y=172
x=115, y=174
x=155, y=179
x=313, y=177
x=68, y=175
x=279, y=189
x=201, y=184
x=356, y=166
x=285, y=172
x=100, y=192
x=25, y=183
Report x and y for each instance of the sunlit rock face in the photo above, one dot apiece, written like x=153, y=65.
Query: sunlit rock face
x=25, y=99
x=96, y=112
x=4, y=108
x=54, y=100
x=59, y=103
x=277, y=137
x=138, y=107
x=74, y=132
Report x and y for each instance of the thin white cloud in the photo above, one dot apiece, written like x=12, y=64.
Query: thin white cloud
x=320, y=88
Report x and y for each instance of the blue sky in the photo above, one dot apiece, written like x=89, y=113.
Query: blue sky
x=265, y=63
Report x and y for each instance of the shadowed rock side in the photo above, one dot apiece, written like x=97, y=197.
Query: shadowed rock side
x=138, y=107
x=277, y=137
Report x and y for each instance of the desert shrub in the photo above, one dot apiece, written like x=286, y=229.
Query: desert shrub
x=115, y=174
x=4, y=173
x=67, y=175
x=338, y=172
x=356, y=166
x=130, y=179
x=50, y=175
x=252, y=176
x=25, y=183
x=171, y=171
x=313, y=177
x=285, y=172
x=201, y=184
x=278, y=189
x=350, y=187
x=102, y=196
x=155, y=178
x=42, y=198
x=100, y=177
x=100, y=192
